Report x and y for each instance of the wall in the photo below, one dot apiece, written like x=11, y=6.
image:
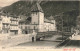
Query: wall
x=41, y=28
x=41, y=18
x=35, y=18
x=49, y=27
x=0, y=26
x=15, y=40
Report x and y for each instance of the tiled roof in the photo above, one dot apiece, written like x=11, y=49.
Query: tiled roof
x=36, y=7
x=51, y=18
x=22, y=21
x=48, y=21
x=25, y=21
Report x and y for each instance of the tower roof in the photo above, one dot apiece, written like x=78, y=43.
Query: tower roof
x=51, y=17
x=36, y=8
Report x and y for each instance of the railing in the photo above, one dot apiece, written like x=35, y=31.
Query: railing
x=13, y=23
x=14, y=19
x=5, y=27
x=6, y=22
x=13, y=28
x=46, y=34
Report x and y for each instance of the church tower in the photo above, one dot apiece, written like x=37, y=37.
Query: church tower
x=37, y=14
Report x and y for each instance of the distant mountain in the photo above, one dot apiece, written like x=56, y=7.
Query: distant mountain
x=49, y=7
x=70, y=9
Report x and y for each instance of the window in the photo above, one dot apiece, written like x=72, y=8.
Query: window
x=5, y=31
x=20, y=17
x=32, y=14
x=16, y=22
x=34, y=27
x=21, y=27
x=11, y=21
x=36, y=13
x=0, y=22
x=26, y=28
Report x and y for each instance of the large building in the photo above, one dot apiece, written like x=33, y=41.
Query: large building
x=14, y=26
x=39, y=22
x=8, y=24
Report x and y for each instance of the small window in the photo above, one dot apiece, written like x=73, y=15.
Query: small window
x=21, y=27
x=7, y=31
x=0, y=22
x=36, y=13
x=32, y=14
x=11, y=21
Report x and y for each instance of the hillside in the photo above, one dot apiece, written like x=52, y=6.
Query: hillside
x=49, y=7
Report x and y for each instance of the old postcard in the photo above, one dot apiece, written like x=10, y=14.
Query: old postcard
x=39, y=25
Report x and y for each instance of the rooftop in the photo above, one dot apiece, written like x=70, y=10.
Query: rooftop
x=48, y=21
x=36, y=8
x=51, y=18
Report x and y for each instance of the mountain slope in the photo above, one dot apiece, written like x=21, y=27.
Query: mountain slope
x=49, y=7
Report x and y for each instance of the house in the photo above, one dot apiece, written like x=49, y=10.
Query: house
x=14, y=25
x=8, y=24
x=4, y=24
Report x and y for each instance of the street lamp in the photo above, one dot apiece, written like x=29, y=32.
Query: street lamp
x=60, y=15
x=62, y=28
x=62, y=24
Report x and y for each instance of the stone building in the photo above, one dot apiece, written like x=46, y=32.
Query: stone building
x=39, y=21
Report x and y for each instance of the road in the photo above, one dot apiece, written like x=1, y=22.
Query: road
x=48, y=42
x=39, y=44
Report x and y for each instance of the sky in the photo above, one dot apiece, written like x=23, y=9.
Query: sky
x=4, y=3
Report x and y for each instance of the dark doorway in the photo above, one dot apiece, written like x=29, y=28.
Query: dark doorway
x=26, y=32
x=32, y=39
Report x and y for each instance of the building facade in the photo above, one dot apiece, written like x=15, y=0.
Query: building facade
x=8, y=24
x=15, y=25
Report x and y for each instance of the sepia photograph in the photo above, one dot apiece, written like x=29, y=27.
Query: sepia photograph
x=40, y=24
